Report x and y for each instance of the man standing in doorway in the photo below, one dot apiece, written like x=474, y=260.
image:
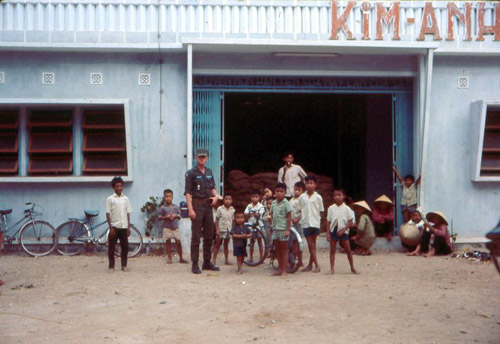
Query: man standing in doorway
x=290, y=174
x=200, y=197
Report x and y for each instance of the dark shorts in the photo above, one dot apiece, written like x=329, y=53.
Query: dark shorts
x=239, y=251
x=334, y=236
x=409, y=208
x=310, y=231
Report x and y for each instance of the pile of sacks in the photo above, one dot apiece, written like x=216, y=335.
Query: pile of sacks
x=239, y=185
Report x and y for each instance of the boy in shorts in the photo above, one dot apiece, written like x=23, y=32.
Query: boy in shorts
x=295, y=202
x=223, y=223
x=339, y=219
x=281, y=214
x=253, y=214
x=170, y=215
x=240, y=234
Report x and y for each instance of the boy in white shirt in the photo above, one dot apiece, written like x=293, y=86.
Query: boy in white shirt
x=296, y=204
x=311, y=209
x=290, y=174
x=339, y=219
x=118, y=211
x=253, y=215
x=223, y=225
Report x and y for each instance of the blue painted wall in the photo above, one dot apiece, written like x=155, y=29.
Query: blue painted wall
x=157, y=150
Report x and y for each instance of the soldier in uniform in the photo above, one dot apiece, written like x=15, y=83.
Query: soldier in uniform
x=200, y=197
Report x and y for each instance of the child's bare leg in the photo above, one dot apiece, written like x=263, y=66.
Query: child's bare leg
x=239, y=260
x=178, y=244
x=261, y=248
x=313, y=253
x=347, y=248
x=284, y=257
x=333, y=249
x=252, y=243
x=406, y=216
x=430, y=253
x=168, y=246
x=226, y=252
x=215, y=250
x=309, y=245
x=415, y=252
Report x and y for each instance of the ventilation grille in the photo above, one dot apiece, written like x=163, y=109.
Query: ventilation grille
x=48, y=78
x=96, y=78
x=144, y=79
x=463, y=82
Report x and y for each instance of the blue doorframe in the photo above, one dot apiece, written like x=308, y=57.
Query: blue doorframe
x=208, y=118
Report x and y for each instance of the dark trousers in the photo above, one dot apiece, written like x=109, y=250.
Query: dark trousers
x=122, y=235
x=382, y=229
x=439, y=245
x=202, y=225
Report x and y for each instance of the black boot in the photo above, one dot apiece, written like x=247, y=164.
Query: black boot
x=209, y=266
x=195, y=269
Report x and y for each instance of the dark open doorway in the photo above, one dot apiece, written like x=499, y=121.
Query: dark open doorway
x=345, y=136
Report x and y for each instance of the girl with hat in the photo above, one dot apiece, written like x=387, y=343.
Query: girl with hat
x=383, y=217
x=437, y=226
x=365, y=233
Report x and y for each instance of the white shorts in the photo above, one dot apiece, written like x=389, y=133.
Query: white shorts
x=169, y=233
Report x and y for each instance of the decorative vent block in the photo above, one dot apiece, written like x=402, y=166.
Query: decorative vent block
x=2, y=78
x=48, y=78
x=463, y=82
x=144, y=79
x=96, y=78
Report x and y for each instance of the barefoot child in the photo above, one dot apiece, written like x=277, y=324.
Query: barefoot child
x=365, y=232
x=170, y=215
x=281, y=214
x=409, y=195
x=339, y=219
x=253, y=214
x=436, y=226
x=240, y=234
x=312, y=207
x=223, y=224
x=118, y=211
x=295, y=202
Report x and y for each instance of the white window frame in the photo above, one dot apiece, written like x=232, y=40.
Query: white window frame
x=478, y=113
x=73, y=103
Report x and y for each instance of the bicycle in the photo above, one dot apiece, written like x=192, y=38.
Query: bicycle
x=74, y=235
x=37, y=237
x=294, y=247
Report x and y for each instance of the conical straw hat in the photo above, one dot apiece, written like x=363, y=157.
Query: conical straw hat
x=364, y=205
x=384, y=199
x=437, y=213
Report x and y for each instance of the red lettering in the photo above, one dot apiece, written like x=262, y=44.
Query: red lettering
x=383, y=15
x=464, y=19
x=339, y=22
x=425, y=28
x=483, y=29
x=366, y=7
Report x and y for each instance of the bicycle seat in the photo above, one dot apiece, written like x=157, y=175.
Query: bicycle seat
x=5, y=212
x=91, y=213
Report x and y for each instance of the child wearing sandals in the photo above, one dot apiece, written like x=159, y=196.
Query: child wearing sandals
x=365, y=230
x=339, y=219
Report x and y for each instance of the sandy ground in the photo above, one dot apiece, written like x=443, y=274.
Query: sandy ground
x=395, y=299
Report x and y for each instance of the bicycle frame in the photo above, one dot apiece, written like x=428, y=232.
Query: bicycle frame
x=8, y=238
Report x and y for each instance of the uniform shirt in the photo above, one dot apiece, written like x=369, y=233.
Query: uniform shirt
x=226, y=217
x=240, y=230
x=339, y=216
x=279, y=211
x=167, y=210
x=312, y=206
x=292, y=176
x=199, y=185
x=257, y=209
x=118, y=207
x=409, y=195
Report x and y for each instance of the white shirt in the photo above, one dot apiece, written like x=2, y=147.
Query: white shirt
x=226, y=217
x=292, y=176
x=296, y=208
x=258, y=209
x=419, y=225
x=311, y=206
x=339, y=216
x=409, y=195
x=118, y=207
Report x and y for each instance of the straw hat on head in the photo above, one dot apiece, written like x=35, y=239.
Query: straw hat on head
x=383, y=199
x=439, y=214
x=364, y=205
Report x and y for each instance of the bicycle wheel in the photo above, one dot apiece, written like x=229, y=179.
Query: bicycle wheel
x=293, y=252
x=38, y=238
x=134, y=243
x=72, y=236
x=259, y=254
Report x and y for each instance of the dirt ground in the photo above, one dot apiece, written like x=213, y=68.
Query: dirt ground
x=395, y=299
